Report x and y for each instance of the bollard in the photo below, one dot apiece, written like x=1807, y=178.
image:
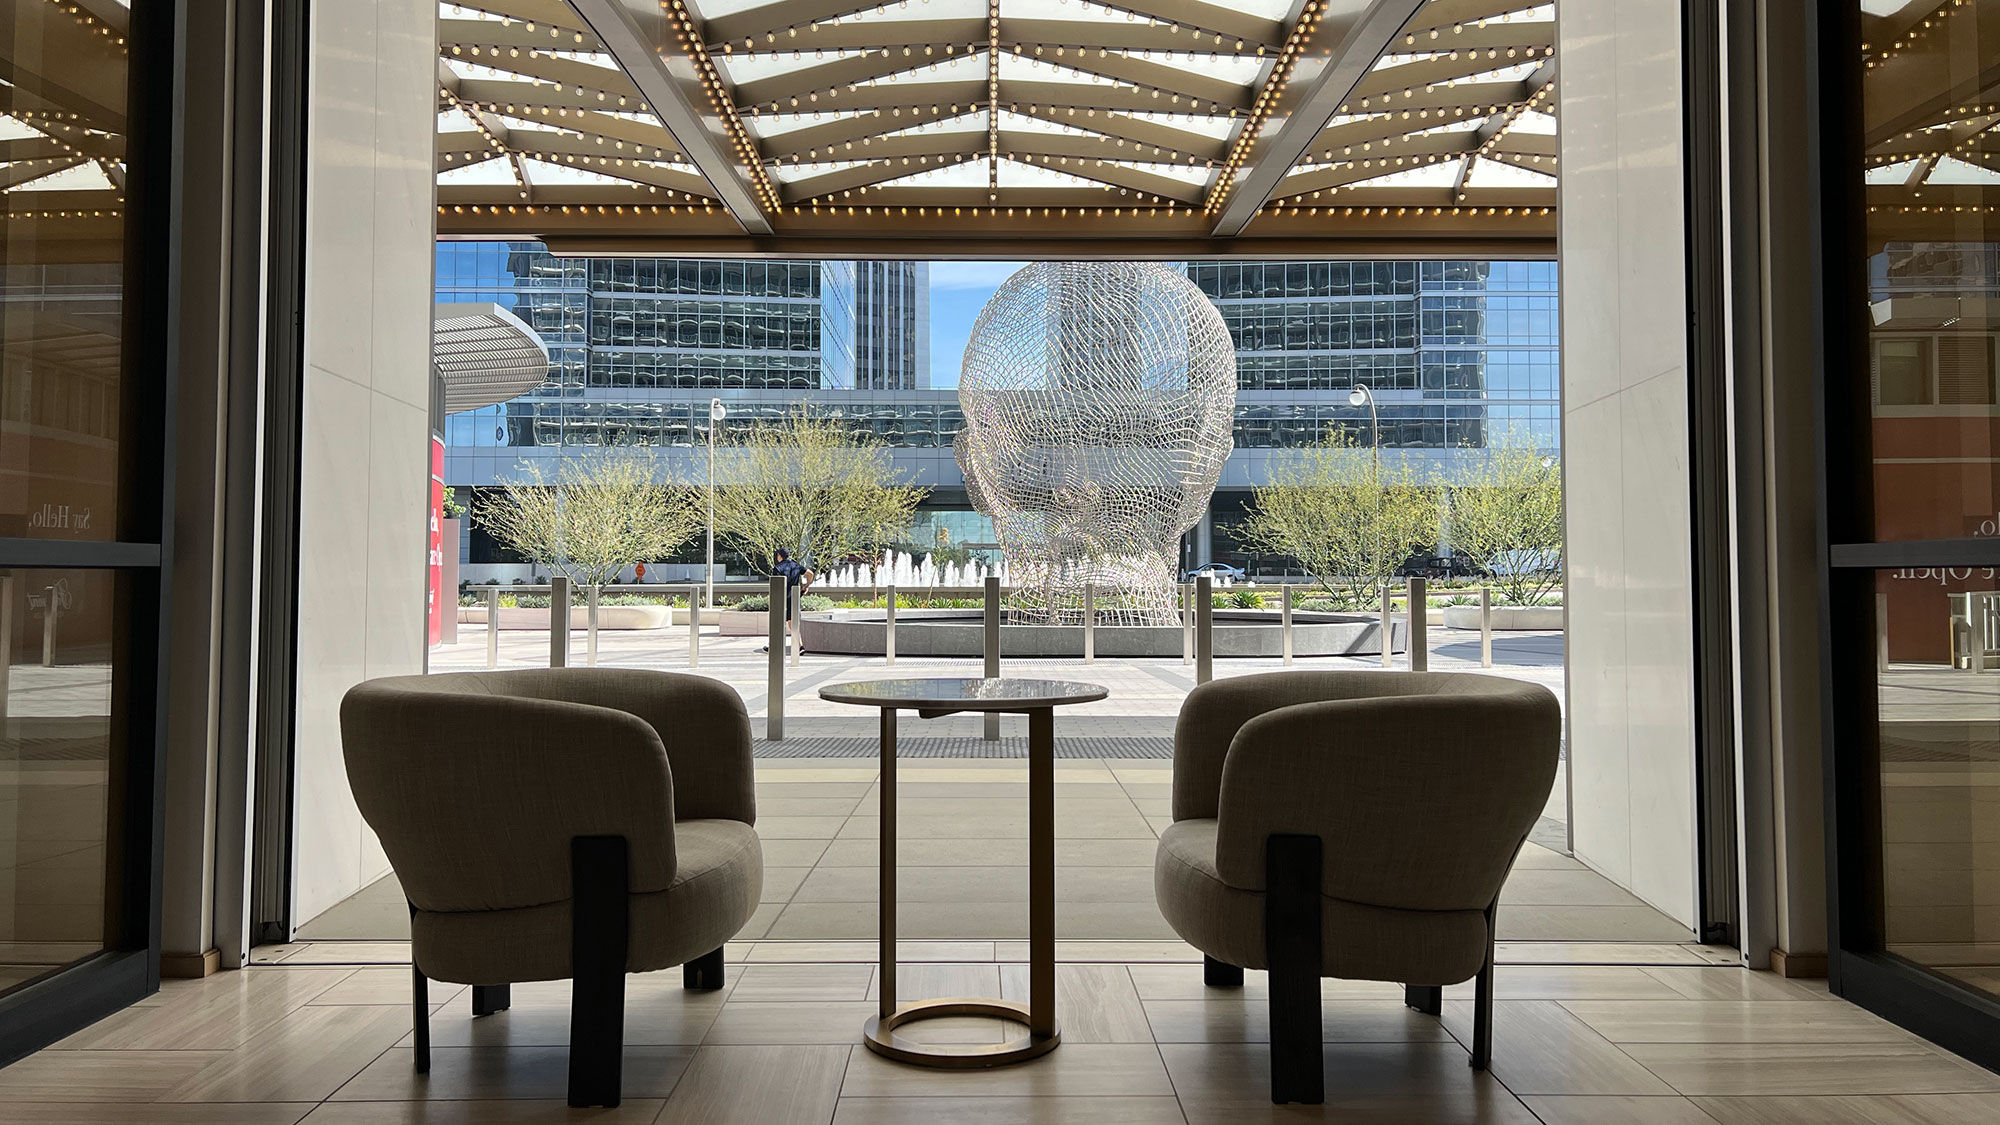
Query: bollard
x=1187, y=623
x=992, y=720
x=558, y=622
x=889, y=629
x=1204, y=629
x=1486, y=626
x=774, y=687
x=1089, y=623
x=6, y=637
x=1388, y=627
x=1285, y=620
x=51, y=610
x=1420, y=621
x=1881, y=633
x=798, y=626
x=590, y=626
x=493, y=626
x=694, y=626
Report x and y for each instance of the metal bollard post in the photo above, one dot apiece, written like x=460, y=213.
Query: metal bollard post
x=1388, y=627
x=1881, y=633
x=694, y=626
x=1187, y=623
x=558, y=622
x=51, y=612
x=1285, y=620
x=889, y=629
x=1204, y=629
x=1420, y=621
x=793, y=594
x=774, y=687
x=590, y=632
x=992, y=721
x=1089, y=623
x=6, y=637
x=493, y=626
x=1486, y=626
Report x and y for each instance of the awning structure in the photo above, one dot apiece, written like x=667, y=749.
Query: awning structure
x=485, y=355
x=62, y=135
x=849, y=128
x=1930, y=155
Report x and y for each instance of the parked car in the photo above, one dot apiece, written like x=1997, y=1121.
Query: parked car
x=1215, y=570
x=1439, y=566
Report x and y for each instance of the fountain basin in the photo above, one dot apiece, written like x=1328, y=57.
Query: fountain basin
x=960, y=632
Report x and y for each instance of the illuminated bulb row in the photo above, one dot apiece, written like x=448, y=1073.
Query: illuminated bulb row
x=1939, y=209
x=1506, y=123
x=89, y=22
x=722, y=104
x=1267, y=100
x=1293, y=210
x=108, y=214
x=1173, y=28
x=992, y=100
x=574, y=209
x=1917, y=31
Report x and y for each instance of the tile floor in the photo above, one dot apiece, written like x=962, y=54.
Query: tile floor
x=1670, y=1038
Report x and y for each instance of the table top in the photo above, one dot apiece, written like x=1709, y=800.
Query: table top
x=964, y=693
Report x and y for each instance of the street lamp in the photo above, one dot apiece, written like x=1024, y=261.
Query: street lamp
x=1362, y=396
x=716, y=413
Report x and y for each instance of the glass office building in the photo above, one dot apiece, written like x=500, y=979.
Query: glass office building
x=1459, y=354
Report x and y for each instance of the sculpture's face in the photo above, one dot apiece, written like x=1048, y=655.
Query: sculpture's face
x=1098, y=403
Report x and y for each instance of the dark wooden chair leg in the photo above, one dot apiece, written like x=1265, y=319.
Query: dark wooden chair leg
x=490, y=998
x=1425, y=998
x=1292, y=948
x=704, y=973
x=599, y=931
x=1482, y=1005
x=1220, y=974
x=420, y=1017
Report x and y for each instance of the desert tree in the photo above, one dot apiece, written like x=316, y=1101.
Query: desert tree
x=1349, y=517
x=1507, y=515
x=592, y=517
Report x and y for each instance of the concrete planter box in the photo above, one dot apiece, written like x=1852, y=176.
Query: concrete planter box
x=608, y=617
x=1506, y=618
x=741, y=622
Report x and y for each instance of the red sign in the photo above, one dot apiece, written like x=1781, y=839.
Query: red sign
x=438, y=601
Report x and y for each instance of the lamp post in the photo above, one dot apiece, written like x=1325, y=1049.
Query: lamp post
x=1362, y=396
x=716, y=413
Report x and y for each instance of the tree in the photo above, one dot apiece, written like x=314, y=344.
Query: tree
x=597, y=516
x=811, y=483
x=1507, y=515
x=1349, y=519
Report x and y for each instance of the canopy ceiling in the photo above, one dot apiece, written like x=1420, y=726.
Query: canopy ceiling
x=961, y=127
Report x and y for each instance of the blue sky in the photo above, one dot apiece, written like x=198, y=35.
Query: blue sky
x=958, y=291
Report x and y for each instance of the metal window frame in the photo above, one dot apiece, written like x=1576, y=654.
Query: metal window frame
x=1956, y=1017
x=128, y=969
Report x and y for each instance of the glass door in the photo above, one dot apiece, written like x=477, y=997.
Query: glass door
x=82, y=392
x=1912, y=512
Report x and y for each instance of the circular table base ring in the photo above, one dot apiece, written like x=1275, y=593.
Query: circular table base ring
x=880, y=1034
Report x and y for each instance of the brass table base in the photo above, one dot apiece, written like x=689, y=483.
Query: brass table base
x=880, y=1034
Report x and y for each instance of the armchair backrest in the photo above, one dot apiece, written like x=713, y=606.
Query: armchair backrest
x=476, y=782
x=1422, y=789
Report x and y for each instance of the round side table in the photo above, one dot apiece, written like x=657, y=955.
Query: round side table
x=931, y=698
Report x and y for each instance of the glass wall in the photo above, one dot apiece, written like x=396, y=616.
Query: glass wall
x=80, y=496
x=1913, y=491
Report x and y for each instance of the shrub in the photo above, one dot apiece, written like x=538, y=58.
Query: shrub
x=1246, y=599
x=752, y=603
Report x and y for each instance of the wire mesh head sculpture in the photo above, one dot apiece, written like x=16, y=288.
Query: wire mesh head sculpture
x=1099, y=399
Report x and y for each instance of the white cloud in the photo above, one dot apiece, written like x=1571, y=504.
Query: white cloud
x=972, y=275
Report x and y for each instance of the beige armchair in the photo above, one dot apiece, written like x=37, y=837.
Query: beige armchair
x=560, y=824
x=1355, y=825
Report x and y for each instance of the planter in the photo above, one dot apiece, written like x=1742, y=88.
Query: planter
x=741, y=622
x=608, y=617
x=1507, y=618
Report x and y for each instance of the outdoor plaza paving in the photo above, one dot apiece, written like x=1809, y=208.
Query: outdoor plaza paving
x=963, y=818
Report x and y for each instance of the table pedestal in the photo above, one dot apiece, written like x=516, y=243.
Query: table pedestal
x=1039, y=1014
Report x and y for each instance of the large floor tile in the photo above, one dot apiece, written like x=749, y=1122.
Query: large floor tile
x=1073, y=1070
x=1910, y=1109
x=1184, y=982
x=651, y=1020
x=225, y=1012
x=1218, y=1020
x=389, y=984
x=1734, y=1021
x=1615, y=1110
x=765, y=983
x=1736, y=984
x=102, y=1076
x=1380, y=1084
x=1540, y=1048
x=632, y=1111
x=1009, y=1111
x=505, y=1073
x=1792, y=1069
x=790, y=1023
x=306, y=1058
x=747, y=1085
x=123, y=1113
x=1094, y=1003
x=1573, y=982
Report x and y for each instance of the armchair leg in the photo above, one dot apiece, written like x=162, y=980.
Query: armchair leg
x=420, y=1017
x=1482, y=1005
x=1292, y=948
x=599, y=932
x=490, y=998
x=1220, y=974
x=1425, y=998
x=704, y=973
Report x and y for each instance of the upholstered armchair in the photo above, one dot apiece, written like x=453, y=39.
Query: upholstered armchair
x=556, y=824
x=1355, y=825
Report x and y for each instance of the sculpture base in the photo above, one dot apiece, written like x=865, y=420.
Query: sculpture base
x=958, y=632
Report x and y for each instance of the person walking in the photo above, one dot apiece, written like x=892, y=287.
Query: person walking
x=798, y=579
